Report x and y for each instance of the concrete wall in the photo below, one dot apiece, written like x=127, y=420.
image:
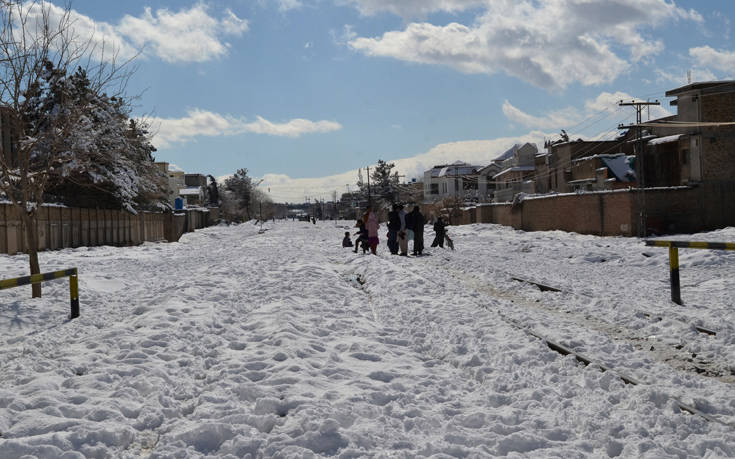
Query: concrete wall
x=62, y=227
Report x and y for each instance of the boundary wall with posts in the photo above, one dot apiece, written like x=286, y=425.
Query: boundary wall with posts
x=62, y=227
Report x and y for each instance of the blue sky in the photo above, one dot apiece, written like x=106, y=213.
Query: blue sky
x=304, y=92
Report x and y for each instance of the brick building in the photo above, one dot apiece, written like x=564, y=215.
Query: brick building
x=563, y=155
x=708, y=150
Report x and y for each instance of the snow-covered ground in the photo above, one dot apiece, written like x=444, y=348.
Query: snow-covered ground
x=237, y=344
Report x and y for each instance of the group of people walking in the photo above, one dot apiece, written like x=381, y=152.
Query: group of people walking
x=402, y=227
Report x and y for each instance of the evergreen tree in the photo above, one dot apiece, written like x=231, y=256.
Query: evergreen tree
x=384, y=183
x=47, y=107
x=241, y=188
x=107, y=157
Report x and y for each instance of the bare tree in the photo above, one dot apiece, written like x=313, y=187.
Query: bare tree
x=38, y=49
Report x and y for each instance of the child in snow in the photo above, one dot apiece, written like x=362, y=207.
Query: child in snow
x=362, y=236
x=347, y=242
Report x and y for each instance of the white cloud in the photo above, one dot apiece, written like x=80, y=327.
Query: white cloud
x=480, y=152
x=679, y=76
x=558, y=119
x=293, y=128
x=707, y=56
x=412, y=8
x=283, y=5
x=185, y=36
x=233, y=25
x=549, y=44
x=188, y=35
x=591, y=118
x=286, y=5
x=205, y=123
x=345, y=37
x=103, y=39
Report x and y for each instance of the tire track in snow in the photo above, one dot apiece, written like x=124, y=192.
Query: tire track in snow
x=601, y=326
x=673, y=354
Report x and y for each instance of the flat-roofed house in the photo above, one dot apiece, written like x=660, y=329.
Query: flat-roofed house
x=456, y=180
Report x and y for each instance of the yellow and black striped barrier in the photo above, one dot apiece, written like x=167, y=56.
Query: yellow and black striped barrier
x=674, y=247
x=71, y=273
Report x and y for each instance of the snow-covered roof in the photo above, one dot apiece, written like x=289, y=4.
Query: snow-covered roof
x=458, y=169
x=667, y=139
x=174, y=168
x=489, y=169
x=190, y=191
x=619, y=167
x=584, y=180
x=508, y=153
x=515, y=169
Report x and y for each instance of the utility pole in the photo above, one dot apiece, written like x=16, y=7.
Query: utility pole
x=397, y=196
x=640, y=160
x=370, y=199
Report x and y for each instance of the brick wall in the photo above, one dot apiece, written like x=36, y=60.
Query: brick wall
x=718, y=144
x=718, y=154
x=590, y=213
x=683, y=210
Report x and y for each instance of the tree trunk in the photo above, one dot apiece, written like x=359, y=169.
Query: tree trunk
x=32, y=233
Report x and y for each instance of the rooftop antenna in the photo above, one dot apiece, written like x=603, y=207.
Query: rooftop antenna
x=689, y=76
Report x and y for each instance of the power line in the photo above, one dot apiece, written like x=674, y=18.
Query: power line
x=640, y=160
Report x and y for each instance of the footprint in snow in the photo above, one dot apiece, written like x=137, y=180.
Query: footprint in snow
x=382, y=376
x=364, y=356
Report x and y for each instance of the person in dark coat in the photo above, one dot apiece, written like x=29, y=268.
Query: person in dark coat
x=417, y=225
x=394, y=225
x=362, y=236
x=439, y=230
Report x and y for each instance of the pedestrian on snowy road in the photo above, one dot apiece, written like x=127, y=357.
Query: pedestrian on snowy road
x=394, y=225
x=417, y=225
x=440, y=232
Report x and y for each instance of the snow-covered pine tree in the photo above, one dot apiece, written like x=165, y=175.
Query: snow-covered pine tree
x=45, y=112
x=384, y=183
x=240, y=190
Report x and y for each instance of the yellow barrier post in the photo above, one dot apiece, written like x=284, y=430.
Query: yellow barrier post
x=674, y=275
x=38, y=278
x=74, y=294
x=674, y=247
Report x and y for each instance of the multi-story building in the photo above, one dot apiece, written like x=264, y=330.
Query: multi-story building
x=697, y=145
x=517, y=169
x=456, y=180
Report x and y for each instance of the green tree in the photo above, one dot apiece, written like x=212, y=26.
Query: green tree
x=384, y=182
x=240, y=186
x=45, y=120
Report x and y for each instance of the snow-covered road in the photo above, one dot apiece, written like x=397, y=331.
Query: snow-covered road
x=283, y=343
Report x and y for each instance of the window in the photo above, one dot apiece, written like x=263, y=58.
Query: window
x=434, y=188
x=685, y=156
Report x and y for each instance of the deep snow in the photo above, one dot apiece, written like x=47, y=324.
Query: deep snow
x=236, y=343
